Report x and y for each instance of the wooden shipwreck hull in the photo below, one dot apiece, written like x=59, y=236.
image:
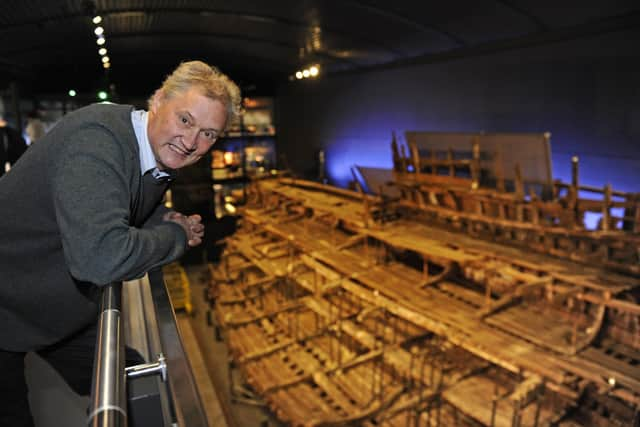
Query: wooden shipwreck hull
x=339, y=309
x=459, y=190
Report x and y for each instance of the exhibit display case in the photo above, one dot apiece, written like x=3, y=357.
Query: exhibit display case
x=247, y=150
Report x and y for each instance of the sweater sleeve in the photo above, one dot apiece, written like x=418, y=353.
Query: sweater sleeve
x=91, y=183
x=156, y=218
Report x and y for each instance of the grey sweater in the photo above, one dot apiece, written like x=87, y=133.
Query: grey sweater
x=67, y=225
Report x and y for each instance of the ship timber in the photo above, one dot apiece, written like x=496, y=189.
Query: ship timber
x=341, y=308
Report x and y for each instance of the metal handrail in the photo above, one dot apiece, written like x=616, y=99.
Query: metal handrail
x=108, y=402
x=108, y=397
x=182, y=384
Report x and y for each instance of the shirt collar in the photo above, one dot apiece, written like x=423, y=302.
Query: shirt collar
x=140, y=121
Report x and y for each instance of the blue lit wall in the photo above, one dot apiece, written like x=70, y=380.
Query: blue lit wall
x=586, y=93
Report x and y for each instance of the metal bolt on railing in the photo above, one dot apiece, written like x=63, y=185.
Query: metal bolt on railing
x=144, y=369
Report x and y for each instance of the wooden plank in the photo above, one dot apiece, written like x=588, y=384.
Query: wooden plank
x=432, y=249
x=611, y=363
x=265, y=351
x=474, y=397
x=510, y=297
x=337, y=394
x=597, y=373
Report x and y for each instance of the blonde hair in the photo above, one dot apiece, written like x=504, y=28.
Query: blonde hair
x=213, y=83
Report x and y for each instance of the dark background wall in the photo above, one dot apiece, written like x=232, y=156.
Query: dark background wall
x=585, y=92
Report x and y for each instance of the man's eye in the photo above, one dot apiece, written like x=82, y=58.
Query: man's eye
x=210, y=135
x=184, y=120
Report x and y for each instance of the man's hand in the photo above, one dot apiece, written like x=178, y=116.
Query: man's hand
x=191, y=224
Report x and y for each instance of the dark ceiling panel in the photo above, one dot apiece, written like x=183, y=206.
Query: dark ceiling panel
x=308, y=39
x=267, y=41
x=264, y=55
x=566, y=13
x=462, y=21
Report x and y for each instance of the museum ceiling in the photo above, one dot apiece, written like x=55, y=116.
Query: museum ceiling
x=48, y=46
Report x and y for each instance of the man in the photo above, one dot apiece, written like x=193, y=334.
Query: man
x=82, y=209
x=12, y=145
x=35, y=127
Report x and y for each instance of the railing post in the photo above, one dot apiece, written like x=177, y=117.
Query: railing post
x=108, y=391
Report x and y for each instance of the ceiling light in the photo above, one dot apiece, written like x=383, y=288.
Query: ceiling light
x=102, y=95
x=102, y=51
x=72, y=92
x=314, y=71
x=298, y=74
x=105, y=59
x=97, y=19
x=101, y=40
x=305, y=73
x=98, y=31
x=106, y=65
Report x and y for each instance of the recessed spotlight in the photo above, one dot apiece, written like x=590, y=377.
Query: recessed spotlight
x=98, y=31
x=72, y=92
x=106, y=65
x=305, y=73
x=102, y=51
x=314, y=71
x=97, y=19
x=101, y=40
x=298, y=75
x=105, y=59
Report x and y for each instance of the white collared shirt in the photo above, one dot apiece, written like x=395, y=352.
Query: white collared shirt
x=140, y=121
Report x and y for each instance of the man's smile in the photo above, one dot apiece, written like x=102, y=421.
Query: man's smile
x=180, y=150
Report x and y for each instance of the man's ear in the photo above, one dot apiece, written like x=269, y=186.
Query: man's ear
x=155, y=100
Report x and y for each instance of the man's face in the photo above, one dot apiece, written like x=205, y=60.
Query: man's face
x=183, y=128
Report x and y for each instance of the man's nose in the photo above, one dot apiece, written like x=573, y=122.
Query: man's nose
x=190, y=139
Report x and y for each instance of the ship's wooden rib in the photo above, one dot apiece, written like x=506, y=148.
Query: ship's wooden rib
x=329, y=320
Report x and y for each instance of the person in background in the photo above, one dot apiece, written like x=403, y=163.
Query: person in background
x=12, y=146
x=35, y=128
x=83, y=209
